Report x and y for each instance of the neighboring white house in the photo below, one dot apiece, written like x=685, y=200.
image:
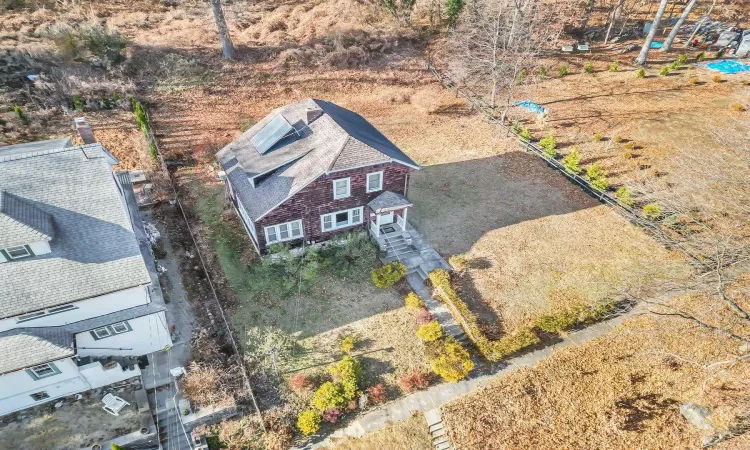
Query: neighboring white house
x=80, y=304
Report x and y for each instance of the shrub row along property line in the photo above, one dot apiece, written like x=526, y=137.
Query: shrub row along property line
x=142, y=118
x=593, y=184
x=523, y=337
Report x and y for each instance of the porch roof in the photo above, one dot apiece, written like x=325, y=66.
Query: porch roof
x=389, y=201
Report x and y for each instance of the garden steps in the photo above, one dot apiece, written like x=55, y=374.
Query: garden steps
x=437, y=429
x=436, y=308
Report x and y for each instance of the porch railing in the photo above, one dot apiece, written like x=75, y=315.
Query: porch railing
x=374, y=229
x=401, y=222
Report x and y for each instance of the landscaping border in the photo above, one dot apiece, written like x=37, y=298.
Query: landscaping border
x=522, y=338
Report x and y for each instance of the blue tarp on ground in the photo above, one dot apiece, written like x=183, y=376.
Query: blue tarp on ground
x=656, y=44
x=728, y=66
x=530, y=106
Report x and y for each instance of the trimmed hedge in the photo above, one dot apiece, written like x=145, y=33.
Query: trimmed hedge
x=525, y=336
x=491, y=350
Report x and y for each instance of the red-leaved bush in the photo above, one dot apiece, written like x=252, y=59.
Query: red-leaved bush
x=300, y=383
x=331, y=415
x=414, y=381
x=424, y=317
x=377, y=394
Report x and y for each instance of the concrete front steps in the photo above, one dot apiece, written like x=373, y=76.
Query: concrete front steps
x=437, y=430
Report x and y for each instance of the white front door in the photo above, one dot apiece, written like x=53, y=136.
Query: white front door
x=384, y=219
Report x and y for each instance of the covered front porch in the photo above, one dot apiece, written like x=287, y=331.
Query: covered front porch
x=397, y=238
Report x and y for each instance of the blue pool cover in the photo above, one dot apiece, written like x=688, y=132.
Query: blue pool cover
x=656, y=44
x=728, y=66
x=530, y=106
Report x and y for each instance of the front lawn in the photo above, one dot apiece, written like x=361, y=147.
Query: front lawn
x=533, y=242
x=309, y=306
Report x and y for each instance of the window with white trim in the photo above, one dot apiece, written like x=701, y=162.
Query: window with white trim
x=341, y=188
x=341, y=219
x=18, y=252
x=43, y=371
x=284, y=232
x=375, y=181
x=111, y=330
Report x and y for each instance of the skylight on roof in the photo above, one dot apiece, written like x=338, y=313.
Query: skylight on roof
x=272, y=133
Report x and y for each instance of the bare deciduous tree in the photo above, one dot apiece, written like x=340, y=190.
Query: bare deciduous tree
x=227, y=48
x=497, y=43
x=643, y=55
x=613, y=18
x=673, y=34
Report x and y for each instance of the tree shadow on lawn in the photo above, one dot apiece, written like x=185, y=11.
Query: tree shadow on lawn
x=455, y=204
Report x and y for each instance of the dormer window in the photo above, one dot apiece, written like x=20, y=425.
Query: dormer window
x=21, y=251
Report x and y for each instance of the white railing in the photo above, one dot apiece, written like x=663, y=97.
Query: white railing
x=401, y=222
x=374, y=229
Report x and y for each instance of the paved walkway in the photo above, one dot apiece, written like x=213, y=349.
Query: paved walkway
x=437, y=396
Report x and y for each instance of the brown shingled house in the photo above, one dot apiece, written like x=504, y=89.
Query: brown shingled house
x=312, y=169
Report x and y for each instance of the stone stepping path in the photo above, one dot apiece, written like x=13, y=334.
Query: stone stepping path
x=437, y=430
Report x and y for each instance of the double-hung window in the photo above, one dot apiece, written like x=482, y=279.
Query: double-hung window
x=284, y=232
x=375, y=181
x=111, y=330
x=341, y=188
x=43, y=371
x=341, y=219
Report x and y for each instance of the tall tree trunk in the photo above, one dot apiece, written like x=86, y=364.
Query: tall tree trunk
x=612, y=21
x=673, y=34
x=227, y=48
x=700, y=24
x=641, y=59
x=585, y=20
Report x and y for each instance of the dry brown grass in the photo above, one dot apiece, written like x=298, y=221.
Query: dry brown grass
x=620, y=391
x=390, y=334
x=547, y=264
x=411, y=434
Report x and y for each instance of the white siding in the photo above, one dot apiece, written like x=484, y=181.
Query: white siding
x=248, y=222
x=93, y=307
x=150, y=334
x=16, y=387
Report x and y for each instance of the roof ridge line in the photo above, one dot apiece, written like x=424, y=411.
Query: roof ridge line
x=49, y=152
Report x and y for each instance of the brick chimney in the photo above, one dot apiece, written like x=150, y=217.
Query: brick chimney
x=84, y=130
x=312, y=114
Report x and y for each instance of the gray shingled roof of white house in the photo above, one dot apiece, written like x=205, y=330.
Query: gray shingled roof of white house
x=27, y=347
x=94, y=249
x=21, y=222
x=338, y=139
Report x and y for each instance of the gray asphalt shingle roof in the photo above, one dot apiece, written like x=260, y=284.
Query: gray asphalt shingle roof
x=27, y=347
x=336, y=140
x=21, y=222
x=388, y=201
x=94, y=250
